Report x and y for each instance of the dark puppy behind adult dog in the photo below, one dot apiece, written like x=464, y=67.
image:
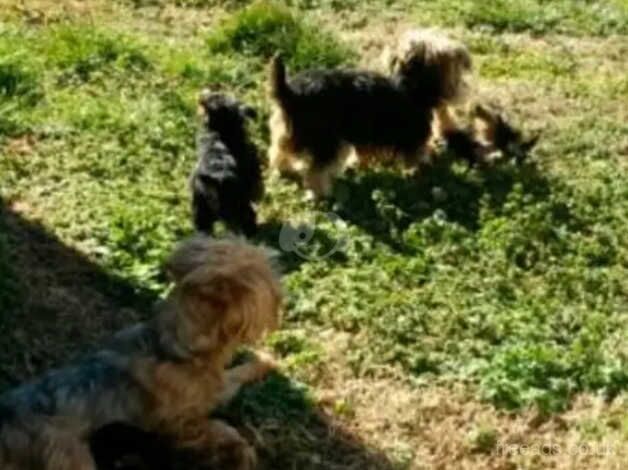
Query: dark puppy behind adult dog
x=227, y=178
x=490, y=134
x=492, y=128
x=324, y=113
x=122, y=446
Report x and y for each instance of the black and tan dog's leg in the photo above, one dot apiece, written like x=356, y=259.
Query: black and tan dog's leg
x=444, y=120
x=327, y=162
x=281, y=153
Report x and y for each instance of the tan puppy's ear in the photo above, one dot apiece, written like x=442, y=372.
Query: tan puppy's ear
x=530, y=143
x=204, y=307
x=226, y=292
x=226, y=308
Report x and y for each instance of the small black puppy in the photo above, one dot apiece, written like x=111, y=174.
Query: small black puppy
x=227, y=178
x=121, y=446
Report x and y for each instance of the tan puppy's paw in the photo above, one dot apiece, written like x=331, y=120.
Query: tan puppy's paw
x=265, y=363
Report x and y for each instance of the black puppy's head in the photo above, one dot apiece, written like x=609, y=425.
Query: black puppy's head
x=221, y=112
x=493, y=127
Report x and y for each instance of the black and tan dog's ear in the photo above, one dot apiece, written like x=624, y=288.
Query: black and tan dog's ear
x=204, y=95
x=530, y=143
x=480, y=111
x=201, y=108
x=248, y=112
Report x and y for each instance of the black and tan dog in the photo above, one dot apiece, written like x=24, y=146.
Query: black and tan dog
x=227, y=179
x=489, y=138
x=163, y=376
x=325, y=114
x=330, y=115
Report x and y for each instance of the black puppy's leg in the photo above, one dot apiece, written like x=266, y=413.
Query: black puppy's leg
x=327, y=161
x=203, y=213
x=243, y=220
x=249, y=221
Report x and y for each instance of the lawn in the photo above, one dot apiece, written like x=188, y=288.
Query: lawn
x=467, y=319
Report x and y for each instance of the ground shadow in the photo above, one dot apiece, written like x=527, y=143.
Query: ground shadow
x=55, y=303
x=290, y=431
x=384, y=202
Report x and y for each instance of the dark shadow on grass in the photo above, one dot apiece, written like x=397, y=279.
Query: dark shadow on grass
x=290, y=431
x=55, y=303
x=384, y=202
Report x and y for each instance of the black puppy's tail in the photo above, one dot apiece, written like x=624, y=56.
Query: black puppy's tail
x=277, y=85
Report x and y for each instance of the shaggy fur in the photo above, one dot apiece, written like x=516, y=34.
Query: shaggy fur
x=162, y=376
x=463, y=144
x=493, y=130
x=227, y=178
x=450, y=57
x=325, y=114
x=490, y=135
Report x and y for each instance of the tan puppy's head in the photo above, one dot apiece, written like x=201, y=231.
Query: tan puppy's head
x=226, y=293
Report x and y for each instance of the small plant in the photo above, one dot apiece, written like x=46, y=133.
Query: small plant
x=266, y=28
x=80, y=52
x=20, y=87
x=483, y=439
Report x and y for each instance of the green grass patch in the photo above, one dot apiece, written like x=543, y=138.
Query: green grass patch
x=82, y=51
x=267, y=27
x=496, y=285
x=527, y=65
x=574, y=17
x=20, y=88
x=186, y=3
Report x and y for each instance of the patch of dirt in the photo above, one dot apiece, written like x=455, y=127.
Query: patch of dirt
x=65, y=302
x=439, y=427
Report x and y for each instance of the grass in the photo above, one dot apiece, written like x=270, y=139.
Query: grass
x=266, y=27
x=499, y=294
x=536, y=16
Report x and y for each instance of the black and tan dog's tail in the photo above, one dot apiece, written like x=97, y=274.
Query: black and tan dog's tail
x=277, y=84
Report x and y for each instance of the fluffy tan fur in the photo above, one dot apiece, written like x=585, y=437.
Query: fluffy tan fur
x=225, y=294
